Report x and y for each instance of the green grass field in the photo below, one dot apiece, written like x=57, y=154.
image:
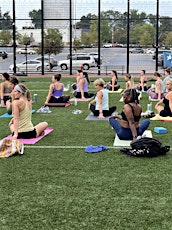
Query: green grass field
x=55, y=186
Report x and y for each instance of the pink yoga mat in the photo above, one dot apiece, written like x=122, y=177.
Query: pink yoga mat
x=32, y=141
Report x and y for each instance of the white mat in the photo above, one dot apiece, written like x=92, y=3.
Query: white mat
x=126, y=143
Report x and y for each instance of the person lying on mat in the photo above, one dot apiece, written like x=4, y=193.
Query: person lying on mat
x=101, y=101
x=158, y=88
x=55, y=94
x=82, y=87
x=21, y=125
x=5, y=89
x=13, y=82
x=165, y=110
x=129, y=127
x=113, y=84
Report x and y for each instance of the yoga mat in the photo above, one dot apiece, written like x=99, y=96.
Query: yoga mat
x=32, y=141
x=80, y=99
x=58, y=104
x=91, y=117
x=6, y=115
x=160, y=118
x=117, y=91
x=126, y=143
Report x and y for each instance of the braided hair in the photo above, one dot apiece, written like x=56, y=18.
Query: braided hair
x=133, y=95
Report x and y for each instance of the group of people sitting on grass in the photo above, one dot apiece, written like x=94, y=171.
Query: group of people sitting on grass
x=17, y=99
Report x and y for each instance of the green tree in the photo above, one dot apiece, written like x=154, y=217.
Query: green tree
x=6, y=23
x=52, y=42
x=23, y=39
x=76, y=44
x=36, y=16
x=142, y=30
x=168, y=39
x=5, y=37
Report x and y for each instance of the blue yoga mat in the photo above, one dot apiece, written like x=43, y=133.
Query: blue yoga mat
x=6, y=115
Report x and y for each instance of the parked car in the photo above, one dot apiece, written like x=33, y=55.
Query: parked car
x=52, y=60
x=24, y=51
x=159, y=52
x=108, y=45
x=30, y=65
x=137, y=50
x=93, y=54
x=87, y=61
x=150, y=51
x=3, y=54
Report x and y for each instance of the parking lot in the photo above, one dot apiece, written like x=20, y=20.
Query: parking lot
x=111, y=58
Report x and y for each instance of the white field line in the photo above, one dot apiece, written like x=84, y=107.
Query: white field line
x=63, y=147
x=70, y=147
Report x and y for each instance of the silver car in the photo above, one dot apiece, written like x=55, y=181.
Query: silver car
x=30, y=65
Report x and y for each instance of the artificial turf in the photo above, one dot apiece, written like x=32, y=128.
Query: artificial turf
x=51, y=187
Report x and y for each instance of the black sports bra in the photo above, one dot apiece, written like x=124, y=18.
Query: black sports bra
x=136, y=118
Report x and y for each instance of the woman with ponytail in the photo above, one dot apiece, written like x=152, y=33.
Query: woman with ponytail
x=129, y=127
x=21, y=125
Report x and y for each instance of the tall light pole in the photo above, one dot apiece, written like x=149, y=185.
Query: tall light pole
x=14, y=38
x=128, y=35
x=157, y=33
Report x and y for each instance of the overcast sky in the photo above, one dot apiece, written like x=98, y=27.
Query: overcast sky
x=83, y=7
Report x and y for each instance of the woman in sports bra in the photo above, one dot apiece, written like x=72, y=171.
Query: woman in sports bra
x=156, y=92
x=55, y=94
x=6, y=89
x=113, y=84
x=129, y=127
x=21, y=125
x=143, y=82
x=166, y=110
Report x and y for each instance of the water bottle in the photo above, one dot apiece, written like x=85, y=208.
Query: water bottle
x=35, y=97
x=75, y=101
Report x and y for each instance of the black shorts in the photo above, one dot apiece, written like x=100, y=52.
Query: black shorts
x=27, y=135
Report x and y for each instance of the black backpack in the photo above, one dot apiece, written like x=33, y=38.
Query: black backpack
x=146, y=147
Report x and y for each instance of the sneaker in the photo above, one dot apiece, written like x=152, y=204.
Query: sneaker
x=77, y=111
x=44, y=109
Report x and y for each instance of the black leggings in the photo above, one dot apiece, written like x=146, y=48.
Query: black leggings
x=106, y=113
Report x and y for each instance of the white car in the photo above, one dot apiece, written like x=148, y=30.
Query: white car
x=30, y=65
x=86, y=60
x=108, y=45
x=24, y=51
x=150, y=51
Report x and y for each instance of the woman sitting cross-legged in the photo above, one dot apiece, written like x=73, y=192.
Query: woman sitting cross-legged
x=166, y=110
x=158, y=89
x=13, y=82
x=129, y=127
x=113, y=84
x=82, y=86
x=101, y=109
x=55, y=94
x=21, y=124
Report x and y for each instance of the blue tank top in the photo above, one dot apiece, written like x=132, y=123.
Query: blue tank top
x=85, y=86
x=57, y=92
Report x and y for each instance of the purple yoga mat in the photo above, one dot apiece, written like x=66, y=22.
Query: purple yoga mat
x=32, y=141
